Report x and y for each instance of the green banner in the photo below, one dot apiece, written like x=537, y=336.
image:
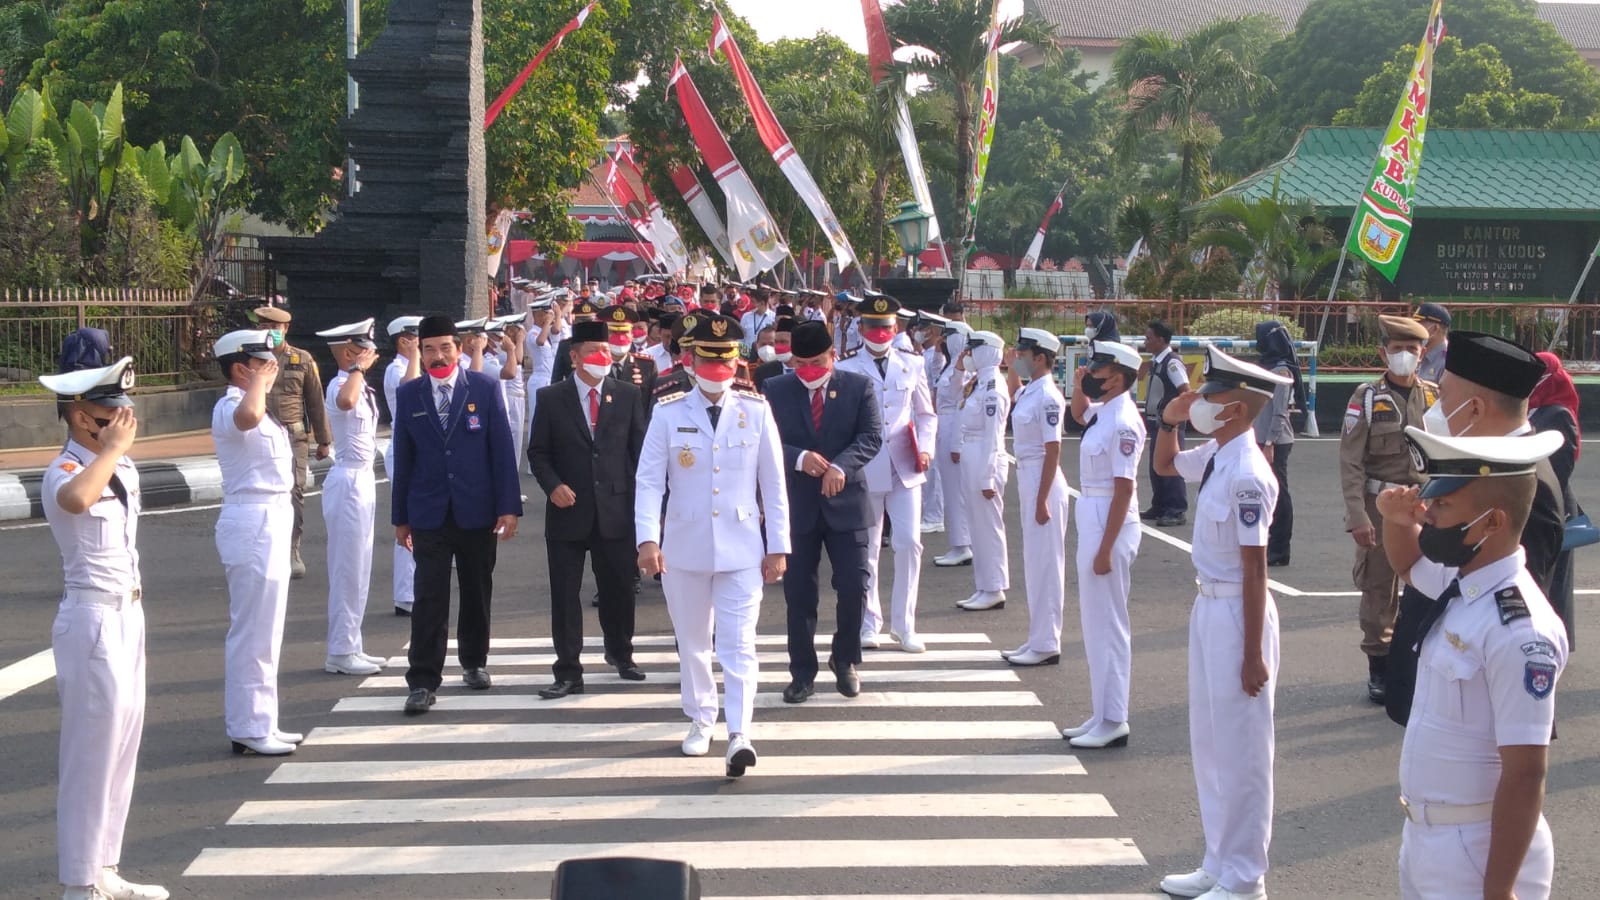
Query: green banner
x=1382, y=224
x=988, y=115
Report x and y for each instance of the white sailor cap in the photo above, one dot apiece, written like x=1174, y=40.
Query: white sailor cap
x=952, y=326
x=405, y=325
x=541, y=303
x=1451, y=462
x=1040, y=339
x=472, y=326
x=517, y=319
x=1108, y=352
x=1223, y=373
x=985, y=338
x=493, y=326
x=251, y=342
x=922, y=319
x=105, y=386
x=906, y=315
x=358, y=333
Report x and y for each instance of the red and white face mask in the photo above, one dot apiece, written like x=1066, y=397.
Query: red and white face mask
x=714, y=376
x=597, y=364
x=782, y=351
x=620, y=342
x=877, y=337
x=813, y=376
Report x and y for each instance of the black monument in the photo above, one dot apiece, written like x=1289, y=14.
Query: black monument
x=413, y=237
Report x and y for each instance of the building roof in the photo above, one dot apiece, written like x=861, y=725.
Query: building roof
x=1579, y=23
x=1466, y=173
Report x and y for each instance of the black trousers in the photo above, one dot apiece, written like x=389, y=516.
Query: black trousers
x=473, y=550
x=847, y=554
x=1169, y=494
x=1282, y=530
x=614, y=566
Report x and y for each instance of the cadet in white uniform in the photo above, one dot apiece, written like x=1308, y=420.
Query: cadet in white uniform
x=951, y=387
x=1477, y=743
x=255, y=456
x=985, y=468
x=350, y=496
x=1233, y=630
x=708, y=454
x=895, y=476
x=405, y=366
x=931, y=329
x=1108, y=534
x=1042, y=492
x=90, y=495
x=540, y=347
x=513, y=386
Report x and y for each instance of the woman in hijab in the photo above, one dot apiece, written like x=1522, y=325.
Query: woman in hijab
x=1101, y=325
x=1553, y=406
x=1275, y=430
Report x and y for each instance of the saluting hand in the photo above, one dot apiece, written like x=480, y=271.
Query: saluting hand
x=1402, y=505
x=265, y=375
x=117, y=437
x=1177, y=412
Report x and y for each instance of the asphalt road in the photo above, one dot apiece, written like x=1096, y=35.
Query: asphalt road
x=1336, y=833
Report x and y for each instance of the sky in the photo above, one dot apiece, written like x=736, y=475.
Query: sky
x=774, y=19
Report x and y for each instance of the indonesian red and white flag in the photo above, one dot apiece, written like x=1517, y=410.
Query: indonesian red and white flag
x=879, y=52
x=705, y=212
x=880, y=55
x=1031, y=261
x=493, y=112
x=752, y=233
x=632, y=208
x=663, y=234
x=782, y=149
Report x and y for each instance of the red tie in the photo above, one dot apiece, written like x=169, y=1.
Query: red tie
x=816, y=409
x=594, y=408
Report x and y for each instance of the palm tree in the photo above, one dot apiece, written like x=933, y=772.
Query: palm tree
x=1175, y=84
x=1283, y=243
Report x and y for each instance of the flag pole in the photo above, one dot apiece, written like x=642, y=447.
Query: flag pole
x=1561, y=329
x=638, y=239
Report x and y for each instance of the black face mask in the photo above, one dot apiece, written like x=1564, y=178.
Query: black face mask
x=1094, y=388
x=1448, y=546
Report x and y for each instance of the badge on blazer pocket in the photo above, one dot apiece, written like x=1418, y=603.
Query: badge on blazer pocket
x=474, y=423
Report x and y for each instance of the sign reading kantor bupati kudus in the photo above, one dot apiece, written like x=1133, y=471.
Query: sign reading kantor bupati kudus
x=1486, y=258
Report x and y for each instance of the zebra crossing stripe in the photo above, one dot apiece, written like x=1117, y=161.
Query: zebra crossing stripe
x=773, y=675
x=771, y=657
x=479, y=702
x=940, y=897
x=596, y=642
x=445, y=859
x=597, y=733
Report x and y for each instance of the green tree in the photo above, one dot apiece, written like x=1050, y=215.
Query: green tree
x=1472, y=88
x=38, y=239
x=1284, y=243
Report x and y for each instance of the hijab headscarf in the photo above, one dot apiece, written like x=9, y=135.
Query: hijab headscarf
x=1104, y=325
x=1556, y=389
x=1275, y=347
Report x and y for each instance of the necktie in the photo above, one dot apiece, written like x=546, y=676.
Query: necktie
x=1090, y=424
x=715, y=412
x=1434, y=611
x=883, y=366
x=594, y=409
x=1211, y=466
x=444, y=406
x=816, y=409
x=121, y=490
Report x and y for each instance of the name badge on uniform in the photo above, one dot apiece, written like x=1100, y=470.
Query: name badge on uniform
x=474, y=423
x=688, y=429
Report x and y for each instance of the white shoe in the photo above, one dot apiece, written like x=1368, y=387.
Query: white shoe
x=379, y=661
x=962, y=604
x=957, y=556
x=288, y=737
x=698, y=741
x=1081, y=730
x=1221, y=893
x=1007, y=654
x=114, y=887
x=741, y=755
x=932, y=527
x=1102, y=736
x=986, y=600
x=1191, y=885
x=350, y=664
x=869, y=641
x=1034, y=658
x=269, y=746
x=909, y=643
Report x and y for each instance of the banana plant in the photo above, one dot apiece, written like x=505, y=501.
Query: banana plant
x=200, y=194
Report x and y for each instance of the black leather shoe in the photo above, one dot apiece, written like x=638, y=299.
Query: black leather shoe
x=419, y=701
x=1150, y=514
x=797, y=692
x=595, y=600
x=561, y=689
x=477, y=679
x=629, y=672
x=849, y=681
x=402, y=612
x=1277, y=562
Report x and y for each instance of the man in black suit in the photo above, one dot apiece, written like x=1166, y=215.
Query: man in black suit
x=584, y=450
x=830, y=427
x=582, y=311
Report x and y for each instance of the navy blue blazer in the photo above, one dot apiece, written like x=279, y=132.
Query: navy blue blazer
x=469, y=472
x=851, y=435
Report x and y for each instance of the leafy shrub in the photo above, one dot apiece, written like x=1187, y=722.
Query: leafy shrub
x=38, y=240
x=1240, y=322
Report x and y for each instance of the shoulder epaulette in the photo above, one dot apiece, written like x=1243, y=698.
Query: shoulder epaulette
x=849, y=353
x=749, y=390
x=671, y=398
x=908, y=350
x=1512, y=606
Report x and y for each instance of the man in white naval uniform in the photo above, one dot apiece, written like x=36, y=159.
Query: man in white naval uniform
x=950, y=389
x=931, y=329
x=508, y=352
x=406, y=365
x=895, y=475
x=542, y=345
x=256, y=521
x=90, y=496
x=985, y=469
x=350, y=495
x=709, y=453
x=1233, y=629
x=1042, y=493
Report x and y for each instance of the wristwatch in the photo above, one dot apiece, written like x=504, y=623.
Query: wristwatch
x=1168, y=426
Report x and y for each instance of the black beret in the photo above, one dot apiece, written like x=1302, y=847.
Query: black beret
x=593, y=330
x=1502, y=366
x=810, y=339
x=437, y=326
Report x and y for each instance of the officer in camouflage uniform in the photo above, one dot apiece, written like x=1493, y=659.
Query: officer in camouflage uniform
x=1372, y=457
x=296, y=402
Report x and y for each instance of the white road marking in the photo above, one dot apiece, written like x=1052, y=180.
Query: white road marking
x=594, y=733
x=480, y=702
x=938, y=897
x=25, y=673
x=601, y=768
x=762, y=640
x=444, y=859
x=771, y=657
x=768, y=676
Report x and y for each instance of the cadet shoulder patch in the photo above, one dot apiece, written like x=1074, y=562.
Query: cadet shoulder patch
x=1127, y=441
x=1052, y=414
x=1249, y=514
x=1247, y=495
x=1539, y=679
x=1512, y=606
x=1539, y=648
x=69, y=467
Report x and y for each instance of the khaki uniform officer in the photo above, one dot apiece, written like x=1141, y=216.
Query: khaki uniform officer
x=1473, y=765
x=90, y=495
x=1373, y=456
x=295, y=402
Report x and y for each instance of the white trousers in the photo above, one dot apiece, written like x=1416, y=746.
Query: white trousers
x=404, y=569
x=99, y=657
x=252, y=540
x=987, y=519
x=519, y=414
x=1444, y=862
x=722, y=606
x=956, y=528
x=349, y=499
x=903, y=506
x=1044, y=555
x=933, y=497
x=1231, y=741
x=1103, y=609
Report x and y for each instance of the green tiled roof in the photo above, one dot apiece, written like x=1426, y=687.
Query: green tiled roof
x=1466, y=173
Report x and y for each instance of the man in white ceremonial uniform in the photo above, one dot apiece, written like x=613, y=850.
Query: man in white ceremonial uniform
x=406, y=365
x=350, y=495
x=895, y=475
x=253, y=529
x=1042, y=493
x=547, y=330
x=90, y=496
x=985, y=469
x=1472, y=768
x=715, y=457
x=1233, y=629
x=508, y=332
x=930, y=327
x=950, y=388
x=1108, y=534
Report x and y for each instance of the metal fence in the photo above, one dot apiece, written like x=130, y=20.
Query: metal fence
x=169, y=338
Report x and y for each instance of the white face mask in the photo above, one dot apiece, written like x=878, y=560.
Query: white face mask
x=712, y=388
x=1437, y=421
x=1203, y=416
x=1090, y=331
x=964, y=363
x=1402, y=363
x=594, y=371
x=766, y=354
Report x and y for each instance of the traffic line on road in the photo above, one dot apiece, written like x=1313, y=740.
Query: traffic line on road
x=634, y=700
x=25, y=673
x=932, y=897
x=369, y=811
x=443, y=770
x=767, y=676
x=593, y=733
x=444, y=859
x=771, y=657
x=596, y=642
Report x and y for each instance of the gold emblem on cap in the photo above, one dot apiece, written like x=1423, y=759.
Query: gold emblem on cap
x=686, y=457
x=1483, y=470
x=719, y=327
x=619, y=315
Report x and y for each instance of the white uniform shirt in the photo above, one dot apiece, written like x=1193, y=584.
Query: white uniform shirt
x=1486, y=679
x=904, y=405
x=717, y=484
x=99, y=549
x=952, y=389
x=661, y=356
x=355, y=431
x=1111, y=448
x=513, y=386
x=1169, y=360
x=752, y=322
x=1036, y=419
x=391, y=380
x=541, y=361
x=257, y=465
x=983, y=426
x=1233, y=510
